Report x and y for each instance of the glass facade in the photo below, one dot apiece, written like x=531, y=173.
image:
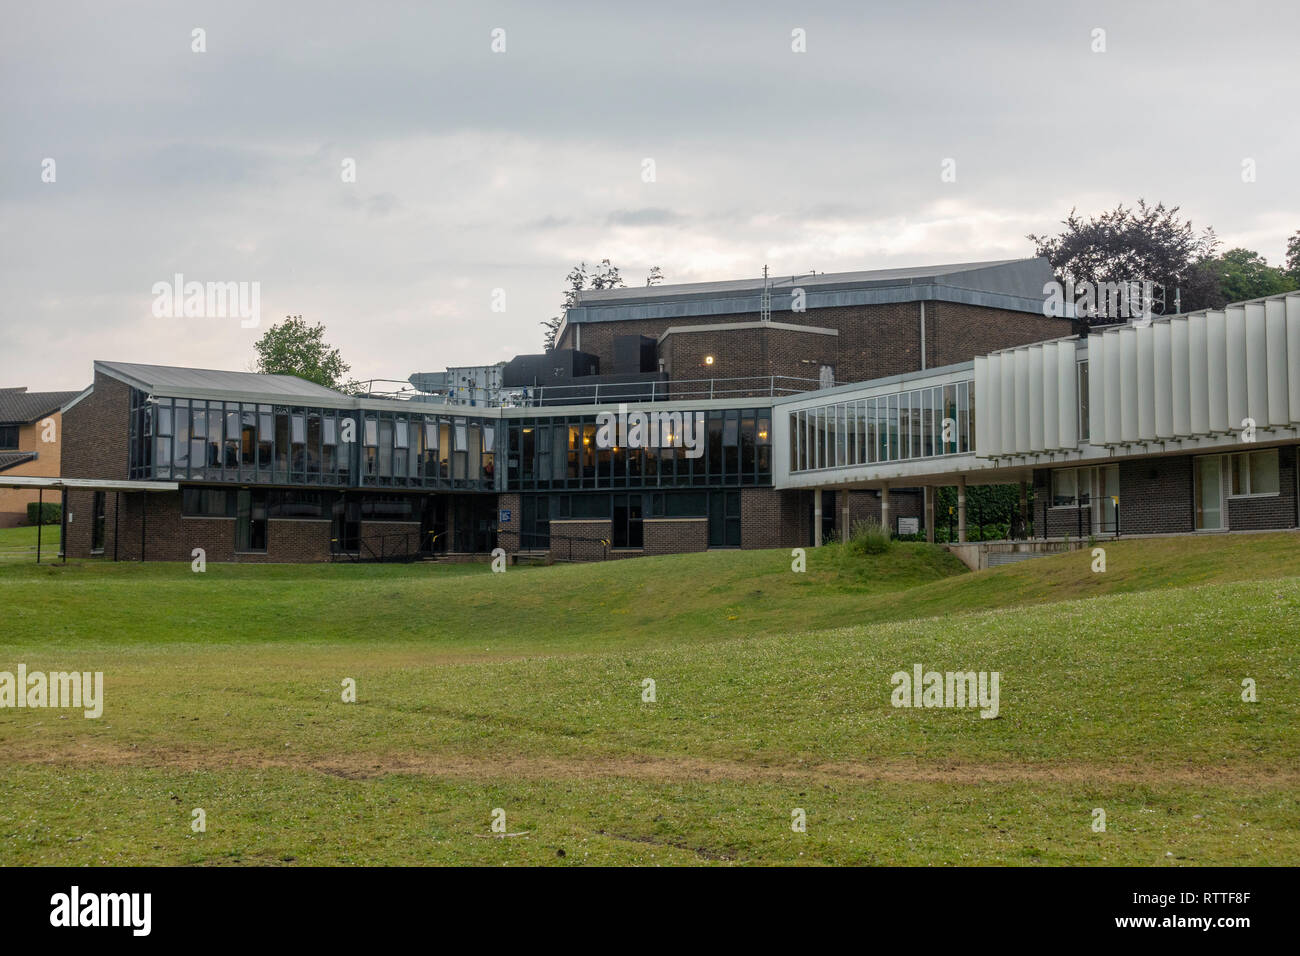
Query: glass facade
x=198, y=440
x=919, y=423
x=545, y=454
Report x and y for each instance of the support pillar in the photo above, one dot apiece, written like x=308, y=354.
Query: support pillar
x=885, y=518
x=961, y=508
x=1024, y=509
x=817, y=517
x=844, y=516
x=929, y=513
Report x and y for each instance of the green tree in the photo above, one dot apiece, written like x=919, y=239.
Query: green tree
x=1293, y=258
x=295, y=348
x=1146, y=243
x=1244, y=274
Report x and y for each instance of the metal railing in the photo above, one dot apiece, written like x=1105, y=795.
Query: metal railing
x=675, y=390
x=558, y=545
x=398, y=546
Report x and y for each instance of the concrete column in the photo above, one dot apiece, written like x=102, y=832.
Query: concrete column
x=817, y=517
x=929, y=514
x=961, y=508
x=844, y=516
x=885, y=517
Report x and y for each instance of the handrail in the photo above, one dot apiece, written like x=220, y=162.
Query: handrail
x=754, y=386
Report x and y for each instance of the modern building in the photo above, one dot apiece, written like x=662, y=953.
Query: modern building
x=755, y=414
x=31, y=438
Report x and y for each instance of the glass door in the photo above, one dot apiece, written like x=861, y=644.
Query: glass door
x=1209, y=494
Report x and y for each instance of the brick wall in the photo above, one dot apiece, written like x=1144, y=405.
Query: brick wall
x=571, y=538
x=1273, y=511
x=740, y=353
x=508, y=531
x=381, y=538
x=675, y=535
x=873, y=341
x=96, y=432
x=1155, y=496
x=46, y=464
x=171, y=536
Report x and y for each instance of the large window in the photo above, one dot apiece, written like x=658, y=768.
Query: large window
x=8, y=437
x=562, y=453
x=918, y=423
x=207, y=503
x=1095, y=487
x=1253, y=473
x=1065, y=488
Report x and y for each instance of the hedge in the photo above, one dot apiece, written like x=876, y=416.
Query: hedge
x=51, y=512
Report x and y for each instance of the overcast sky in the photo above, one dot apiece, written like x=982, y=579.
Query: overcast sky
x=478, y=170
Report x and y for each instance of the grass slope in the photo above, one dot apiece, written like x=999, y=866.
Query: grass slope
x=523, y=691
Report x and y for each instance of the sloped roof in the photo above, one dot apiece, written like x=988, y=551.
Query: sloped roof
x=21, y=407
x=165, y=378
x=10, y=458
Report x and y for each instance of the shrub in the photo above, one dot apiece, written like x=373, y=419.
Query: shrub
x=869, y=537
x=50, y=513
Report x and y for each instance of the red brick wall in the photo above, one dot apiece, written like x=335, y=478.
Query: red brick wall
x=675, y=535
x=170, y=536
x=508, y=531
x=874, y=340
x=96, y=432
x=572, y=538
x=398, y=537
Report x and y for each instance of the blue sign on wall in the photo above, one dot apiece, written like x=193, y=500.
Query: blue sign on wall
x=505, y=515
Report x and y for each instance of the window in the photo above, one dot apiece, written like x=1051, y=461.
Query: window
x=680, y=504
x=98, y=513
x=8, y=437
x=1253, y=473
x=207, y=503
x=1065, y=487
x=300, y=504
x=1083, y=401
x=589, y=506
x=388, y=508
x=250, y=520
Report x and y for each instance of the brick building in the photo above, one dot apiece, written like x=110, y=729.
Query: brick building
x=31, y=441
x=760, y=414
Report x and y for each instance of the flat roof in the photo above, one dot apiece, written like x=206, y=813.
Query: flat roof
x=98, y=484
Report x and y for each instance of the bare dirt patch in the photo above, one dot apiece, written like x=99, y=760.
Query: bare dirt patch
x=653, y=768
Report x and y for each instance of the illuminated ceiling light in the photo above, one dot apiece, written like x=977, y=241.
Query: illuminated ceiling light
x=708, y=360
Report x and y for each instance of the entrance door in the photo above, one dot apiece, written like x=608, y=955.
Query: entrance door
x=1209, y=494
x=433, y=525
x=1105, y=489
x=345, y=527
x=724, y=519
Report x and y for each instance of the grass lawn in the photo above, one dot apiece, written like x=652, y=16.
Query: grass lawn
x=523, y=691
x=19, y=544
